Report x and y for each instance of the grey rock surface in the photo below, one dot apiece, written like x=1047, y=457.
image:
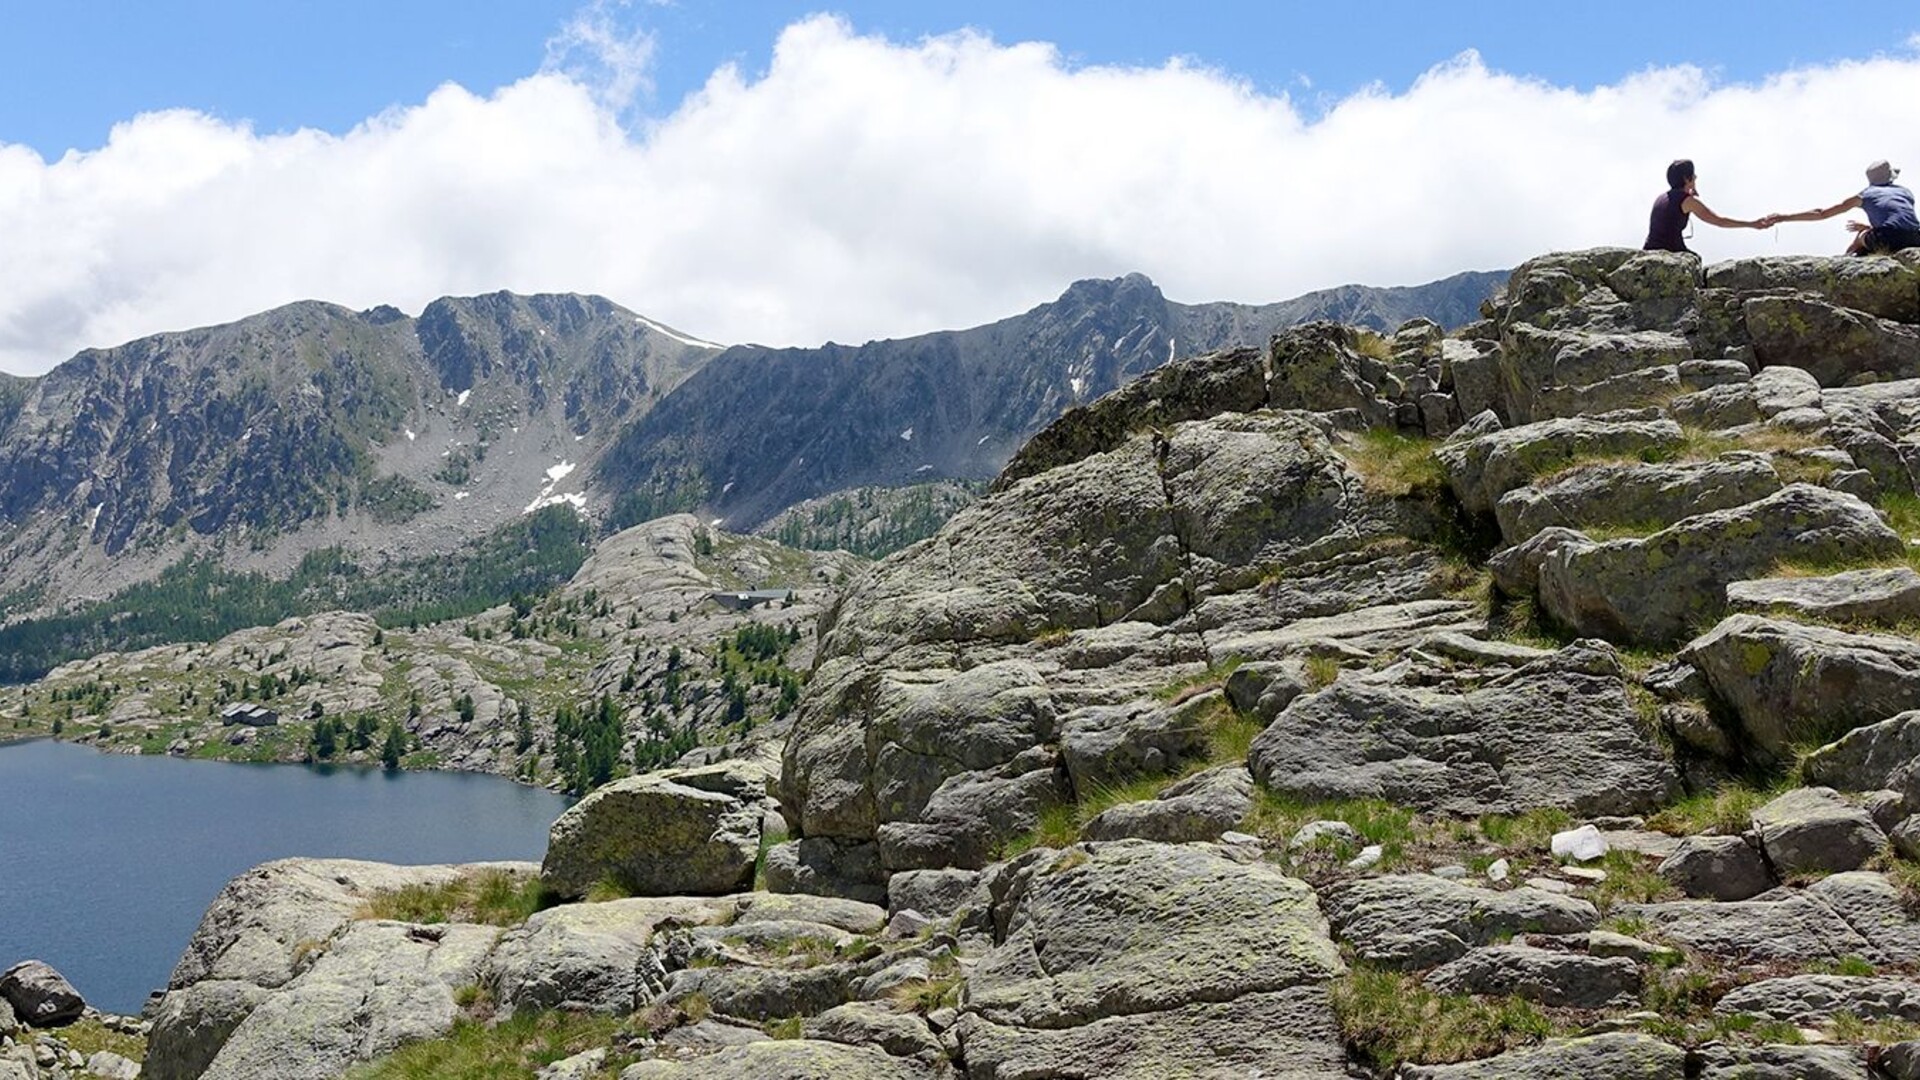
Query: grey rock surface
x=1717, y=868
x=593, y=957
x=379, y=986
x=1652, y=590
x=1557, y=732
x=863, y=1024
x=1291, y=1031
x=1413, y=921
x=1872, y=757
x=1616, y=1056
x=1721, y=1061
x=1813, y=830
x=1629, y=494
x=41, y=997
x=826, y=866
x=655, y=837
x=1812, y=1000
x=1482, y=469
x=1853, y=914
x=1790, y=682
x=789, y=1059
x=1550, y=977
x=1884, y=596
x=1201, y=807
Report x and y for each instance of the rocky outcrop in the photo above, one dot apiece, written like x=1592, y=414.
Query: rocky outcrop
x=1620, y=1056
x=1088, y=954
x=1789, y=682
x=1419, y=921
x=39, y=995
x=1557, y=732
x=662, y=834
x=1653, y=590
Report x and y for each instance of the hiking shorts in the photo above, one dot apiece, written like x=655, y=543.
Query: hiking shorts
x=1888, y=241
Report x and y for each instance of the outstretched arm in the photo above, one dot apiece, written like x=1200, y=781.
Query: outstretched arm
x=1693, y=205
x=1852, y=202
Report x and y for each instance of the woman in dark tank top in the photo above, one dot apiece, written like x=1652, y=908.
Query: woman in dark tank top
x=1667, y=229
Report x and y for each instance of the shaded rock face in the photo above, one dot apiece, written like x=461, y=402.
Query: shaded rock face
x=1559, y=731
x=39, y=995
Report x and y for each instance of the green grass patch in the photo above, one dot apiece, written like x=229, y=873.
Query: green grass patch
x=1630, y=880
x=1529, y=831
x=1186, y=689
x=1277, y=817
x=491, y=897
x=512, y=1049
x=1727, y=809
x=1392, y=1018
x=1393, y=464
x=89, y=1037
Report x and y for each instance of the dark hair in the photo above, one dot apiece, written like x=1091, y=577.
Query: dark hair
x=1679, y=173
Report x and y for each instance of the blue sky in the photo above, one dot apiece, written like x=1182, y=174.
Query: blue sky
x=773, y=172
x=70, y=70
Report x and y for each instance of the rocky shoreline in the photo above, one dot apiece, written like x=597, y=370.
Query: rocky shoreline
x=1541, y=700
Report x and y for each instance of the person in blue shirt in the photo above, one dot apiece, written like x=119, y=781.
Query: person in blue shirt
x=1891, y=223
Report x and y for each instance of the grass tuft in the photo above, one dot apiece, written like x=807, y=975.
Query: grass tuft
x=1393, y=464
x=1391, y=1018
x=517, y=1046
x=492, y=897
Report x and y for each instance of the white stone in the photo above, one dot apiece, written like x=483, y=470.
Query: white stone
x=1368, y=856
x=1583, y=844
x=1499, y=870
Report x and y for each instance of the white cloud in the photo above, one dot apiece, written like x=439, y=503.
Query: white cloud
x=864, y=188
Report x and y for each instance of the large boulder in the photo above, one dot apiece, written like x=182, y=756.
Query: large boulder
x=1814, y=831
x=193, y=1023
x=41, y=997
x=1732, y=1061
x=1412, y=921
x=1717, y=868
x=1791, y=683
x=1652, y=590
x=591, y=957
x=378, y=986
x=1878, y=286
x=1557, y=732
x=1126, y=943
x=653, y=836
x=1201, y=807
x=1483, y=468
x=266, y=921
x=825, y=866
x=1614, y=493
x=790, y=1059
x=1228, y=1040
x=1317, y=367
x=1621, y=1056
x=1834, y=344
x=1549, y=373
x=1875, y=757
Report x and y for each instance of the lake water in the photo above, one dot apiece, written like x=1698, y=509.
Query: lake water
x=107, y=861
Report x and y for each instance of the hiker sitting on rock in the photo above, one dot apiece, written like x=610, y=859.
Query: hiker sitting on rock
x=1891, y=224
x=1668, y=229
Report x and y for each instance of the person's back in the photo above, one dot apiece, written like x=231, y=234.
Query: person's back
x=1889, y=206
x=1667, y=228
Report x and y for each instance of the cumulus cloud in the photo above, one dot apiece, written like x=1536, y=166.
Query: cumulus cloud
x=863, y=188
